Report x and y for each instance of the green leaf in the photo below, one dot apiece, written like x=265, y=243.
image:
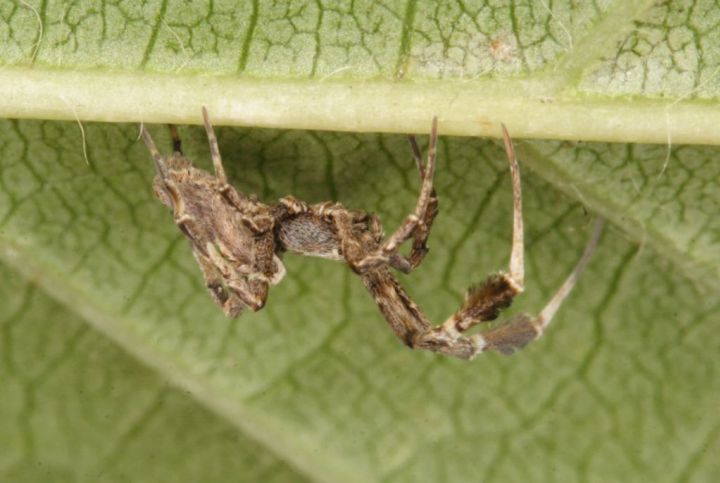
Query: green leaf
x=622, y=385
x=622, y=71
x=76, y=408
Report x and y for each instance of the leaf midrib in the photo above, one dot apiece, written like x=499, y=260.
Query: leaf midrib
x=530, y=108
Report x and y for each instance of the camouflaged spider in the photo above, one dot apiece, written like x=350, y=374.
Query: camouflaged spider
x=238, y=241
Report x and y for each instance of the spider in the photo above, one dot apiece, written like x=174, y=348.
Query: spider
x=238, y=242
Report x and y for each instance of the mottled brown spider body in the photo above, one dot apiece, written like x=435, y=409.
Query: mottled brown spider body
x=231, y=235
x=238, y=242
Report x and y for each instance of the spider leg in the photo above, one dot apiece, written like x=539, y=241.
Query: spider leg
x=484, y=302
x=214, y=149
x=240, y=201
x=422, y=232
x=417, y=223
x=158, y=158
x=517, y=332
x=359, y=235
x=523, y=328
x=404, y=316
x=292, y=206
x=396, y=259
x=353, y=249
x=359, y=240
x=517, y=264
x=406, y=228
x=177, y=143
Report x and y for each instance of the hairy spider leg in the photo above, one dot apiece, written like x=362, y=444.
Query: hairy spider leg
x=511, y=336
x=422, y=231
x=166, y=189
x=522, y=329
x=481, y=304
x=517, y=264
x=547, y=314
x=158, y=158
x=404, y=316
x=387, y=253
x=405, y=230
x=214, y=149
x=417, y=155
x=485, y=301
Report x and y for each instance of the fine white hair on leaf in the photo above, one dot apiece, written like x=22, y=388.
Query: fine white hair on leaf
x=182, y=46
x=669, y=107
x=36, y=47
x=560, y=23
x=82, y=129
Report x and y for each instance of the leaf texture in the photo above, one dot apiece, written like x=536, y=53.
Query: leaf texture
x=117, y=366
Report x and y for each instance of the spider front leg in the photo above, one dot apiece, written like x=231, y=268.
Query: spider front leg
x=515, y=333
x=484, y=302
x=524, y=328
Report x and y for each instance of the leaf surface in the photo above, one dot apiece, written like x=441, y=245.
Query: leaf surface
x=613, y=71
x=621, y=387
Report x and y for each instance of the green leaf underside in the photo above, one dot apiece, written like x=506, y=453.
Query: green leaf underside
x=317, y=378
x=76, y=408
x=620, y=388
